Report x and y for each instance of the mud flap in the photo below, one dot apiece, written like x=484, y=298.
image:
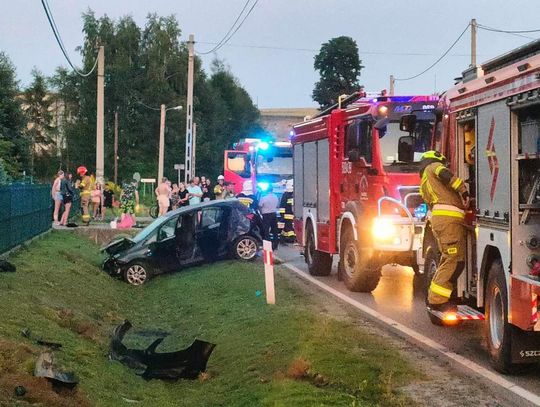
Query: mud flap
x=525, y=346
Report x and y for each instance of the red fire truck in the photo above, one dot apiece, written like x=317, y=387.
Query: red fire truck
x=353, y=194
x=263, y=161
x=489, y=129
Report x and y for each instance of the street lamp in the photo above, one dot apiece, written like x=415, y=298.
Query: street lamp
x=162, y=139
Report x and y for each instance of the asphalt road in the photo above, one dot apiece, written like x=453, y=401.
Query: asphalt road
x=400, y=296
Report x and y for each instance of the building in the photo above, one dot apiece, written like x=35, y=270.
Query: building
x=279, y=121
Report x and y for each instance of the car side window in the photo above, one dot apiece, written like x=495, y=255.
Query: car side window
x=210, y=217
x=167, y=230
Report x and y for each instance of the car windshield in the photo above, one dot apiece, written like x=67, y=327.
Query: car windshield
x=279, y=164
x=147, y=231
x=390, y=142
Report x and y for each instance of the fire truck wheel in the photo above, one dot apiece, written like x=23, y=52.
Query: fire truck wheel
x=359, y=271
x=430, y=265
x=319, y=263
x=497, y=328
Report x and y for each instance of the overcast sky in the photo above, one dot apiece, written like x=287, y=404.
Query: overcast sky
x=394, y=37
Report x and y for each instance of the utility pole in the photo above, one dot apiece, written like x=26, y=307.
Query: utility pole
x=392, y=83
x=189, y=110
x=473, y=42
x=100, y=115
x=116, y=147
x=161, y=144
x=194, y=146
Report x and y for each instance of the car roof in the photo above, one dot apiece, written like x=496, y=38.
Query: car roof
x=189, y=208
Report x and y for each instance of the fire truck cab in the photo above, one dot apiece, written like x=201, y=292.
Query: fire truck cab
x=354, y=195
x=489, y=130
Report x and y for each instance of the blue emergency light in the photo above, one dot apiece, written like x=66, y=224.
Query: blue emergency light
x=263, y=186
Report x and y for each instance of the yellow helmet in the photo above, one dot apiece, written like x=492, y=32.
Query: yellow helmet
x=433, y=155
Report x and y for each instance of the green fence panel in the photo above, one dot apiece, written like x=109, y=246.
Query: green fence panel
x=25, y=212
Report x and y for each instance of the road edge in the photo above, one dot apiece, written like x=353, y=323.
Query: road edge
x=424, y=341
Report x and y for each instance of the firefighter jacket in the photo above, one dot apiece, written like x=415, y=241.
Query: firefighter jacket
x=85, y=186
x=248, y=200
x=439, y=186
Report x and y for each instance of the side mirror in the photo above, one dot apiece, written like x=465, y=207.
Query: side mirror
x=406, y=149
x=407, y=123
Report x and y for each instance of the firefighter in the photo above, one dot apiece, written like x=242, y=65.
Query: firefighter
x=246, y=196
x=85, y=186
x=285, y=223
x=447, y=197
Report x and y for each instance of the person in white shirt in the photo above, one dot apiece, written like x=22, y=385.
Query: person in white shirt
x=268, y=205
x=195, y=192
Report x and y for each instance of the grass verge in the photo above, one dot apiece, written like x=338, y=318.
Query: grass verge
x=284, y=355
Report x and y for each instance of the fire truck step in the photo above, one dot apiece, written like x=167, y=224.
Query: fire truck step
x=465, y=313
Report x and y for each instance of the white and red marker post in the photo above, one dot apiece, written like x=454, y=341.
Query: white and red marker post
x=268, y=258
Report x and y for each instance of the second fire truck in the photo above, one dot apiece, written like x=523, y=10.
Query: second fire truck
x=354, y=195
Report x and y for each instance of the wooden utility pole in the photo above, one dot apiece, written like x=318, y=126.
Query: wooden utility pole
x=194, y=146
x=161, y=144
x=116, y=147
x=473, y=42
x=188, y=171
x=392, y=83
x=100, y=172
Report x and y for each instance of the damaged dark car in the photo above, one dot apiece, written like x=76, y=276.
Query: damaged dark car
x=187, y=236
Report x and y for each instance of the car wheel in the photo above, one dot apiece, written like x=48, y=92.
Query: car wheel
x=154, y=211
x=245, y=248
x=137, y=273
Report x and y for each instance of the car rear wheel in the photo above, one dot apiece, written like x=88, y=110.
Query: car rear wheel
x=137, y=274
x=245, y=248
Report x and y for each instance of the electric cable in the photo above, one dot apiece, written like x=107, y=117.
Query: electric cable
x=485, y=27
x=491, y=29
x=148, y=107
x=438, y=60
x=56, y=33
x=229, y=35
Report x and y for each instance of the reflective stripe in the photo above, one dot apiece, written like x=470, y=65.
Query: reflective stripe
x=288, y=234
x=439, y=169
x=289, y=216
x=457, y=183
x=290, y=201
x=443, y=212
x=281, y=210
x=440, y=290
x=452, y=250
x=449, y=208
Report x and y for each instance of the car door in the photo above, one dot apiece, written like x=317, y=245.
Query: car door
x=212, y=232
x=186, y=238
x=164, y=250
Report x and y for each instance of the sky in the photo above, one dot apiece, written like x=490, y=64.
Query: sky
x=394, y=37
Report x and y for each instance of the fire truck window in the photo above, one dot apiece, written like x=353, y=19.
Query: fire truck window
x=237, y=163
x=358, y=137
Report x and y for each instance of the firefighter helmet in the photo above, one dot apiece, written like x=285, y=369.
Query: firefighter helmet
x=433, y=155
x=82, y=170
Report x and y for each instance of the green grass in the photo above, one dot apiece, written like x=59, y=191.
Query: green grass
x=284, y=355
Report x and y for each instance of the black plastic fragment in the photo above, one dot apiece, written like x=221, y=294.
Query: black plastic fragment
x=7, y=267
x=45, y=368
x=183, y=364
x=49, y=344
x=20, y=391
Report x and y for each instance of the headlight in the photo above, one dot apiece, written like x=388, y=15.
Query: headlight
x=263, y=186
x=384, y=229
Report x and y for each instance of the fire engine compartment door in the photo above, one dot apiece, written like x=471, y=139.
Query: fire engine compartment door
x=493, y=160
x=310, y=175
x=323, y=181
x=298, y=171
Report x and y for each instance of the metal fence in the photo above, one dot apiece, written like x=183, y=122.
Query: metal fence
x=25, y=212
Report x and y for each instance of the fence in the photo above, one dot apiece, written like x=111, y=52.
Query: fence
x=25, y=212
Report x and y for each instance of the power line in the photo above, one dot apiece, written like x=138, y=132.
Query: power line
x=228, y=36
x=148, y=107
x=439, y=59
x=508, y=31
x=514, y=33
x=56, y=33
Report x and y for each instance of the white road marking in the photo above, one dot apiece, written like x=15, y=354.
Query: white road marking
x=476, y=368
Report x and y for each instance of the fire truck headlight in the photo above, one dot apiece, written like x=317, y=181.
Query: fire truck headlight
x=384, y=229
x=263, y=145
x=263, y=186
x=383, y=110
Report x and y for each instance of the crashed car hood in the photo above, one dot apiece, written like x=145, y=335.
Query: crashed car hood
x=117, y=245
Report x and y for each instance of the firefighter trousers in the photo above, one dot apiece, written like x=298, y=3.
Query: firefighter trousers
x=451, y=234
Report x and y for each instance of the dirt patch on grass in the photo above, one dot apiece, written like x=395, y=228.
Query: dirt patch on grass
x=16, y=367
x=298, y=369
x=66, y=318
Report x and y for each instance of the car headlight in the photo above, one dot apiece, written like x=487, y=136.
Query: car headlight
x=384, y=229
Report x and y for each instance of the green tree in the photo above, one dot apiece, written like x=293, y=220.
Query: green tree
x=37, y=102
x=339, y=67
x=13, y=143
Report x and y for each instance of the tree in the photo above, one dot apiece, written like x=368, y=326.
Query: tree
x=13, y=143
x=339, y=67
x=37, y=104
